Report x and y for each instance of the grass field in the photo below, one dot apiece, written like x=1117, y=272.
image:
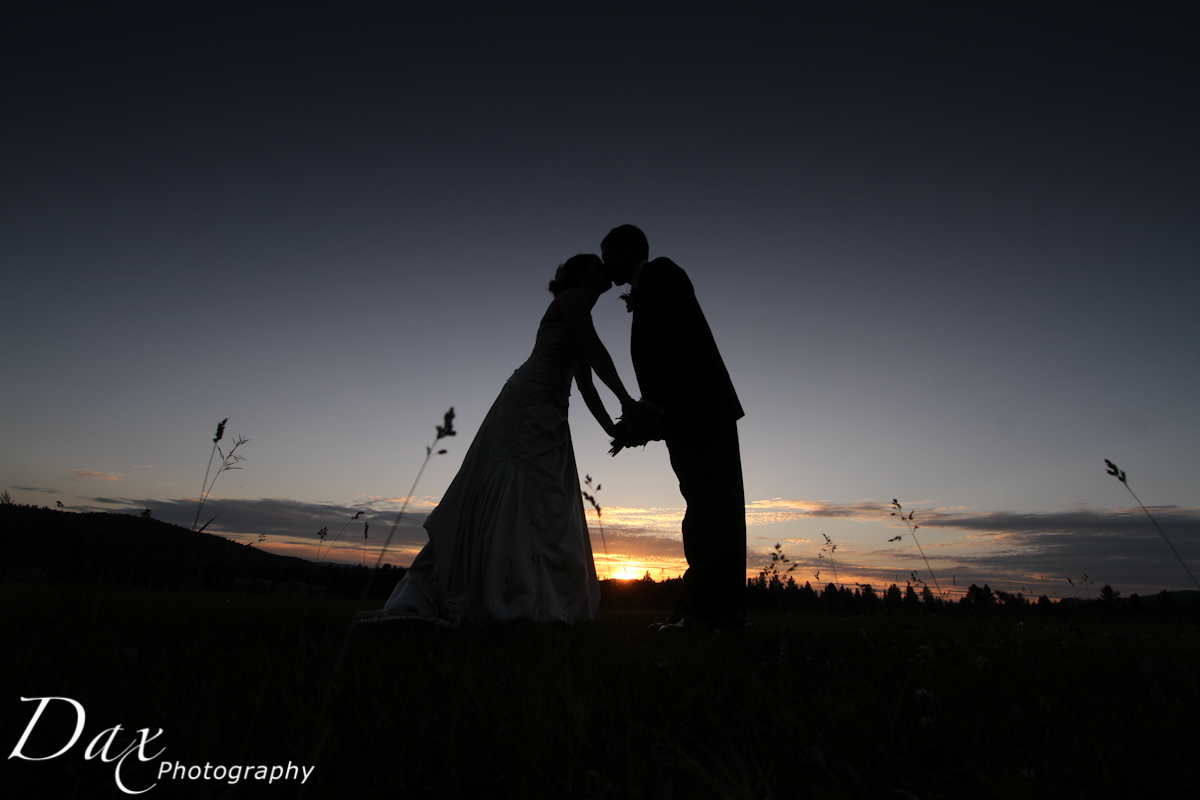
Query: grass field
x=796, y=706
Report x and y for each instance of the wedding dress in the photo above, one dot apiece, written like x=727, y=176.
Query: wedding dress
x=509, y=539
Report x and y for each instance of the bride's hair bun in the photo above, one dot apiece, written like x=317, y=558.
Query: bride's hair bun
x=568, y=272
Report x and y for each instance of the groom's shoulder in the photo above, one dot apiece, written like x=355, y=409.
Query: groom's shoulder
x=665, y=271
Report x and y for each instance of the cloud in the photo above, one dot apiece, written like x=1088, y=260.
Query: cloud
x=1116, y=546
x=1117, y=520
x=758, y=512
x=767, y=512
x=1081, y=534
x=413, y=502
x=91, y=474
x=656, y=521
x=36, y=489
x=637, y=545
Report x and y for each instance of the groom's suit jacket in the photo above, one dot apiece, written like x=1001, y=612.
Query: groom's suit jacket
x=675, y=357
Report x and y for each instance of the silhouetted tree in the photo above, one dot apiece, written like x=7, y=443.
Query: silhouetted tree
x=911, y=601
x=831, y=598
x=893, y=599
x=978, y=599
x=807, y=597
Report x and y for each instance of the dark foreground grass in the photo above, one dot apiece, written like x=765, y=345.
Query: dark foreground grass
x=797, y=706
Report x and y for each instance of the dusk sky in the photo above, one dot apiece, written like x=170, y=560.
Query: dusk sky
x=950, y=253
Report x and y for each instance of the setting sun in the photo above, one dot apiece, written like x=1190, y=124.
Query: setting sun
x=635, y=571
x=628, y=572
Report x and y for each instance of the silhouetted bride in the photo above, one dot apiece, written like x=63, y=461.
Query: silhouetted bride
x=508, y=540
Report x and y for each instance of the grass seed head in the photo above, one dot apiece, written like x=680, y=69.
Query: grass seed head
x=447, y=426
x=1115, y=471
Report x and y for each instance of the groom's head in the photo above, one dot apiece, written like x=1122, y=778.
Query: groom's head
x=624, y=249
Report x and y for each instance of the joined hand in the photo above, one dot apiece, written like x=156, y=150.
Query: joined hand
x=639, y=424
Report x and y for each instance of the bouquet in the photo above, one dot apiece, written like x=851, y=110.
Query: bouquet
x=637, y=425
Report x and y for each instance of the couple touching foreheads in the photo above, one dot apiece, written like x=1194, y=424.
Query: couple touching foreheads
x=509, y=540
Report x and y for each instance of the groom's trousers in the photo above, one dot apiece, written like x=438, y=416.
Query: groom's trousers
x=708, y=462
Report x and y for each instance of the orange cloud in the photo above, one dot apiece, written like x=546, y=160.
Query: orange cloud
x=641, y=520
x=767, y=512
x=380, y=503
x=86, y=474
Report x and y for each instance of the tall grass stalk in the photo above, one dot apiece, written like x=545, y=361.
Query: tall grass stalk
x=443, y=430
x=912, y=530
x=832, y=548
x=204, y=483
x=591, y=498
x=228, y=461
x=1119, y=473
x=321, y=534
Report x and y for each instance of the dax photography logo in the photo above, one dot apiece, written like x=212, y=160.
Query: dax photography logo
x=107, y=746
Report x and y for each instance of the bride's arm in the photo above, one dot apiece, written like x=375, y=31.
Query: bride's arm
x=583, y=379
x=573, y=305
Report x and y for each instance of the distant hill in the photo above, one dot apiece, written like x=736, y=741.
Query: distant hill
x=65, y=546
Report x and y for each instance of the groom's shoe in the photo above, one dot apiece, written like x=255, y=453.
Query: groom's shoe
x=675, y=618
x=686, y=623
x=691, y=622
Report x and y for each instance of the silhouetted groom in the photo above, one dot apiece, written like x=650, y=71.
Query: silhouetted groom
x=680, y=371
